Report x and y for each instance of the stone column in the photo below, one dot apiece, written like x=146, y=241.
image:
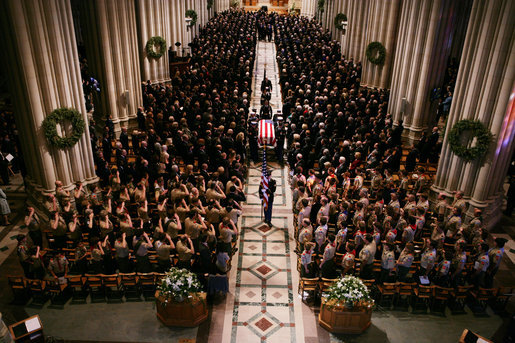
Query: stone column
x=211, y=11
x=41, y=60
x=221, y=5
x=174, y=30
x=153, y=20
x=382, y=26
x=110, y=37
x=329, y=13
x=485, y=91
x=201, y=8
x=177, y=27
x=190, y=31
x=353, y=39
x=423, y=46
x=308, y=8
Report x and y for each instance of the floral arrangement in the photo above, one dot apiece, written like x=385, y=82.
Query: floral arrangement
x=476, y=129
x=59, y=116
x=179, y=284
x=351, y=292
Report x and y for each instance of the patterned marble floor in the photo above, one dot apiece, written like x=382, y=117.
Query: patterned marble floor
x=265, y=63
x=265, y=301
x=263, y=305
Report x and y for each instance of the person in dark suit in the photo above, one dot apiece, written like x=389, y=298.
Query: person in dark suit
x=266, y=110
x=205, y=261
x=266, y=83
x=397, y=133
x=124, y=138
x=411, y=160
x=141, y=119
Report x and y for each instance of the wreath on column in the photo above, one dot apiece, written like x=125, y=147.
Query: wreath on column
x=210, y=4
x=193, y=15
x=339, y=20
x=376, y=53
x=321, y=5
x=478, y=130
x=58, y=116
x=150, y=47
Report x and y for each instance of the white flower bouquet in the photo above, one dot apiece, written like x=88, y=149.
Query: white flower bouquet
x=351, y=292
x=179, y=284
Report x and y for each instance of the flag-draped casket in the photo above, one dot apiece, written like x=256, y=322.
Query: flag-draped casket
x=266, y=135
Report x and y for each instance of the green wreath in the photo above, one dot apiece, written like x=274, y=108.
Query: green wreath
x=376, y=53
x=478, y=130
x=58, y=116
x=150, y=47
x=193, y=15
x=210, y=4
x=339, y=19
x=321, y=5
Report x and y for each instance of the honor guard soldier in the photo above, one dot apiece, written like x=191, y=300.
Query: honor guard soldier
x=280, y=135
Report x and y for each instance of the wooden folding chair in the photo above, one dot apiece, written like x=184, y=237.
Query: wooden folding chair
x=458, y=299
x=387, y=293
x=338, y=258
x=38, y=292
x=57, y=292
x=147, y=285
x=112, y=288
x=376, y=268
x=404, y=295
x=308, y=285
x=481, y=298
x=130, y=286
x=77, y=284
x=423, y=295
x=159, y=276
x=324, y=284
x=18, y=288
x=413, y=270
x=357, y=266
x=369, y=283
x=96, y=287
x=440, y=299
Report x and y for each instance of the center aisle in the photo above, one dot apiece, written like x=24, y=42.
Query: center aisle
x=263, y=279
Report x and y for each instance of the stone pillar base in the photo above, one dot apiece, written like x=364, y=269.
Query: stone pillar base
x=411, y=135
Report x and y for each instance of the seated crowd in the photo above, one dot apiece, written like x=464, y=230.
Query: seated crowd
x=172, y=189
x=358, y=209
x=170, y=193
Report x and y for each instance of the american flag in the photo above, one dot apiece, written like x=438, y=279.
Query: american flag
x=266, y=135
x=264, y=181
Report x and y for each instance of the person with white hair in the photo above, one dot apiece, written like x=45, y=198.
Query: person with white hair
x=341, y=167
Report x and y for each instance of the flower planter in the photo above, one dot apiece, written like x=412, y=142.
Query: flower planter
x=188, y=313
x=336, y=318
